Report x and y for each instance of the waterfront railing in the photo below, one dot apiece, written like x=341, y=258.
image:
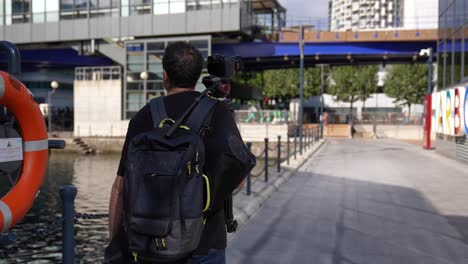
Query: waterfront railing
x=270, y=154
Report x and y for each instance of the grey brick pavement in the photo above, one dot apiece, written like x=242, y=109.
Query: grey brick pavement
x=363, y=202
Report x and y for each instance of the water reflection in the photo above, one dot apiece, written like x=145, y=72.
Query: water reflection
x=93, y=176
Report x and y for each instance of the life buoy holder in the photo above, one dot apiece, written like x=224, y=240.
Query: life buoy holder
x=17, y=99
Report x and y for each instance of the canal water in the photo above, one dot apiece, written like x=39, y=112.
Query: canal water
x=93, y=176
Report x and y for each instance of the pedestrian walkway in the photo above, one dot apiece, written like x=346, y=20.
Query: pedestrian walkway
x=363, y=202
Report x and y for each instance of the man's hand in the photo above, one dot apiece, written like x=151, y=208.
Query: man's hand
x=116, y=207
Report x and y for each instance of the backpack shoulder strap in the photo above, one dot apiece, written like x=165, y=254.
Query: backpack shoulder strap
x=158, y=110
x=202, y=113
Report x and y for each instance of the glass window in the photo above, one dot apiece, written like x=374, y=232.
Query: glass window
x=159, y=46
x=199, y=44
x=465, y=46
x=38, y=11
x=135, y=67
x=52, y=10
x=70, y=9
x=104, y=7
x=198, y=4
x=155, y=56
x=125, y=10
x=177, y=6
x=138, y=7
x=448, y=65
x=2, y=15
x=161, y=7
x=154, y=86
x=457, y=68
x=135, y=100
x=20, y=11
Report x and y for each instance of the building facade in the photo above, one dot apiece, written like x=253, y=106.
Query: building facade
x=38, y=21
x=420, y=14
x=85, y=44
x=354, y=15
x=450, y=99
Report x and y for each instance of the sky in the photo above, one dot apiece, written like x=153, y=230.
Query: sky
x=306, y=8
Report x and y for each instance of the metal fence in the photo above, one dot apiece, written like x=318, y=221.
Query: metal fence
x=310, y=137
x=98, y=73
x=66, y=223
x=263, y=116
x=379, y=118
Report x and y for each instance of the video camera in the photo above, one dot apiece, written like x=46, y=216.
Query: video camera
x=220, y=70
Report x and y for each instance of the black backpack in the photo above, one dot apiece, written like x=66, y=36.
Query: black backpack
x=166, y=192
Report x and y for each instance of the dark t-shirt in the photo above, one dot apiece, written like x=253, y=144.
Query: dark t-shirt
x=222, y=125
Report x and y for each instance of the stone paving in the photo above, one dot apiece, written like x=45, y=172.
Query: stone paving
x=363, y=202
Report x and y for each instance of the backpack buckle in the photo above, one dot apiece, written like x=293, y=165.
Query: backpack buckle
x=204, y=130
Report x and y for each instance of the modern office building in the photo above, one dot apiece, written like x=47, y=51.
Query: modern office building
x=91, y=46
x=450, y=100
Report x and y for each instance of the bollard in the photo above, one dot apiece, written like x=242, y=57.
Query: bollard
x=288, y=151
x=266, y=159
x=249, y=175
x=295, y=144
x=68, y=194
x=279, y=155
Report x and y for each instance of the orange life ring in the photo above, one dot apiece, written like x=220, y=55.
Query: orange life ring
x=17, y=99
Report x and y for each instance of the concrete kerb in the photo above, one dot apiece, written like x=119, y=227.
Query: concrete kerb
x=246, y=206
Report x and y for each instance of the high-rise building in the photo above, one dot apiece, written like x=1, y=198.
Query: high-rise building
x=347, y=15
x=420, y=14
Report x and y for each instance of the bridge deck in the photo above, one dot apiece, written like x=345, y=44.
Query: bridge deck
x=360, y=202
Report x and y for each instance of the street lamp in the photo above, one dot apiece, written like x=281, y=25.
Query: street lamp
x=54, y=85
x=144, y=77
x=322, y=88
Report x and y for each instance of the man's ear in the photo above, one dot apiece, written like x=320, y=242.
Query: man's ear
x=166, y=81
x=165, y=77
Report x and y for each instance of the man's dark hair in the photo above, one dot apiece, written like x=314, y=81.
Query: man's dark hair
x=183, y=64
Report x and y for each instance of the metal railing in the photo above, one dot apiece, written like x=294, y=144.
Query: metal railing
x=9, y=244
x=378, y=118
x=262, y=116
x=98, y=73
x=310, y=137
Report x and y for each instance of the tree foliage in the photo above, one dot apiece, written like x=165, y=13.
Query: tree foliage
x=367, y=81
x=407, y=83
x=352, y=83
x=286, y=82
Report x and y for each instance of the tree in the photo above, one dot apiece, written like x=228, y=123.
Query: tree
x=352, y=83
x=407, y=84
x=367, y=80
x=286, y=82
x=344, y=87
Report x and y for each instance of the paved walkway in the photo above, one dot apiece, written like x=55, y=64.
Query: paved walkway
x=363, y=202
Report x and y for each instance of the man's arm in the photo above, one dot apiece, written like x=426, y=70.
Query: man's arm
x=116, y=207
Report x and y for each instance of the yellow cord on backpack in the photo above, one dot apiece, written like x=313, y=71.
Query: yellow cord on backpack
x=207, y=193
x=161, y=124
x=163, y=243
x=135, y=256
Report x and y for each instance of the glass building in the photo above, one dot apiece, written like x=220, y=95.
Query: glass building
x=144, y=59
x=450, y=100
x=453, y=43
x=40, y=11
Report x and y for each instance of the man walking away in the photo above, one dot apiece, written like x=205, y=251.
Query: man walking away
x=182, y=65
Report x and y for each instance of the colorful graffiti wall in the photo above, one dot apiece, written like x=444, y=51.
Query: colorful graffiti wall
x=450, y=112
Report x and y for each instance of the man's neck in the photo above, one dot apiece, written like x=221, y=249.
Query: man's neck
x=179, y=90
